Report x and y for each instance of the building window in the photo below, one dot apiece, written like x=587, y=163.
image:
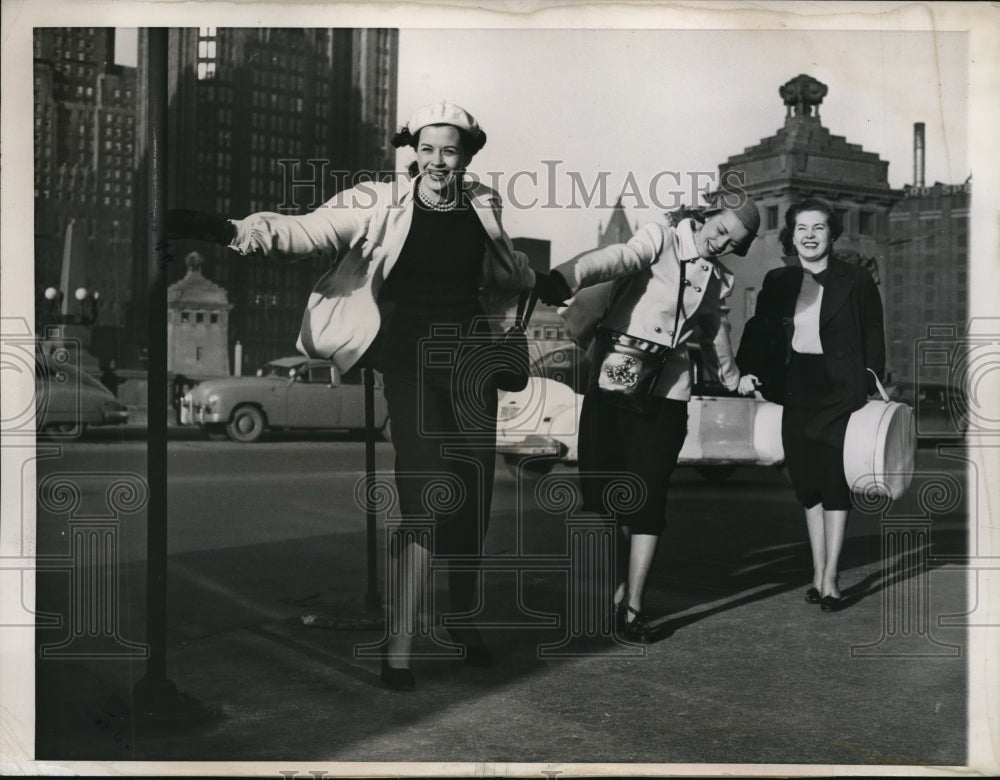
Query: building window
x=199, y=317
x=206, y=53
x=198, y=353
x=866, y=223
x=772, y=217
x=844, y=215
x=185, y=316
x=214, y=318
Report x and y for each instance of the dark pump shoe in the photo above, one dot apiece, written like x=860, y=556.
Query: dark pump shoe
x=832, y=603
x=637, y=629
x=397, y=679
x=812, y=596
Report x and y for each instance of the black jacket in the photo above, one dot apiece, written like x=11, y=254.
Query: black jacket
x=850, y=331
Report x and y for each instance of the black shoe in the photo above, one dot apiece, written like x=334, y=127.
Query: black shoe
x=812, y=596
x=832, y=603
x=637, y=629
x=397, y=679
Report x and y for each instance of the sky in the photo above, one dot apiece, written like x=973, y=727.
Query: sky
x=649, y=110
x=648, y=101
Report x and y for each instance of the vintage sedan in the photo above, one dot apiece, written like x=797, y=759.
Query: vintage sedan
x=289, y=393
x=538, y=426
x=68, y=401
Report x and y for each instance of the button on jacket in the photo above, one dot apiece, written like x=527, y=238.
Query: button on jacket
x=633, y=288
x=362, y=230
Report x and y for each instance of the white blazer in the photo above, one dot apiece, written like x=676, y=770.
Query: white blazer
x=362, y=230
x=633, y=289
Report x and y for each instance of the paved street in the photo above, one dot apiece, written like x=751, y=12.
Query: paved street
x=262, y=535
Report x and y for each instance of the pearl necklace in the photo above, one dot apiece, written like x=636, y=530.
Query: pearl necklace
x=439, y=206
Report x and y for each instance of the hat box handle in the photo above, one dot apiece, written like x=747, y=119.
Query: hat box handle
x=878, y=384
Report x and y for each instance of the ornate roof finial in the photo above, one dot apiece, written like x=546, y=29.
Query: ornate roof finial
x=194, y=262
x=801, y=94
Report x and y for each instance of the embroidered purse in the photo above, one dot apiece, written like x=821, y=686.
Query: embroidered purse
x=626, y=368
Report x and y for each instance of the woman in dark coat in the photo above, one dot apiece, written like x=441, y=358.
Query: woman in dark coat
x=811, y=345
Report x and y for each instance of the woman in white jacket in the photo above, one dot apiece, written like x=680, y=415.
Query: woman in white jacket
x=634, y=291
x=416, y=264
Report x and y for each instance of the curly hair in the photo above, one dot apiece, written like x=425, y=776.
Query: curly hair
x=809, y=204
x=470, y=144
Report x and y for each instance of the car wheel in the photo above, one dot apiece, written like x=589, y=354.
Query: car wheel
x=715, y=473
x=387, y=430
x=246, y=424
x=529, y=470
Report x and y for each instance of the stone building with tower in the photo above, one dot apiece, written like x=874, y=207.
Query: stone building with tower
x=197, y=324
x=804, y=159
x=618, y=230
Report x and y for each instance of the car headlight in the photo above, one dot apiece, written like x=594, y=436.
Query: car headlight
x=211, y=403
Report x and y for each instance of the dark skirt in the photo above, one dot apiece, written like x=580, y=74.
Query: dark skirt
x=814, y=459
x=626, y=460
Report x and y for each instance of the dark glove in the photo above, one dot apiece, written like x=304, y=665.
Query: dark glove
x=552, y=288
x=185, y=223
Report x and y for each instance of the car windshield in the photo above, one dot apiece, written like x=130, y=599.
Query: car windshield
x=282, y=371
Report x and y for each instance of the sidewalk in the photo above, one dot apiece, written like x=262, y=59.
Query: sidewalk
x=746, y=673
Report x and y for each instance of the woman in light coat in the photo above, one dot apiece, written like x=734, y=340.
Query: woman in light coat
x=415, y=263
x=634, y=290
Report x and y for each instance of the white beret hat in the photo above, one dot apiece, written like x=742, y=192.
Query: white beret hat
x=442, y=113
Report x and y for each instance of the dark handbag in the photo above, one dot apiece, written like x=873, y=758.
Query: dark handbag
x=509, y=354
x=626, y=368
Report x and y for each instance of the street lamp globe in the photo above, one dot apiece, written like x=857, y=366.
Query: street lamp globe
x=80, y=294
x=95, y=295
x=51, y=293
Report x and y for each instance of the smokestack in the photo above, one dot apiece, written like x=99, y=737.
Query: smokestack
x=918, y=154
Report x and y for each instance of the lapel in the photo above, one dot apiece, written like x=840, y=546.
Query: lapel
x=487, y=205
x=839, y=284
x=399, y=217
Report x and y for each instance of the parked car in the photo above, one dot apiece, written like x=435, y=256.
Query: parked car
x=538, y=426
x=941, y=412
x=289, y=393
x=68, y=401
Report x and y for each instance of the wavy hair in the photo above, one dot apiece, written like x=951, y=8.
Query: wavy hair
x=809, y=204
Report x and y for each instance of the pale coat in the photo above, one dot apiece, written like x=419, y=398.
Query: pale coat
x=362, y=230
x=633, y=287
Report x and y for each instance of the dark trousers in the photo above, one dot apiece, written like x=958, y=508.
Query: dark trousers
x=445, y=459
x=615, y=440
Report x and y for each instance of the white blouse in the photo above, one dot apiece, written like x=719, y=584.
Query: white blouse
x=805, y=338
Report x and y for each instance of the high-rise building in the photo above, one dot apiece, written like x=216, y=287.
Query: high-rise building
x=274, y=120
x=928, y=273
x=84, y=145
x=803, y=159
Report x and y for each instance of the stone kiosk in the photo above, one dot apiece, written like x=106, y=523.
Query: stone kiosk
x=197, y=325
